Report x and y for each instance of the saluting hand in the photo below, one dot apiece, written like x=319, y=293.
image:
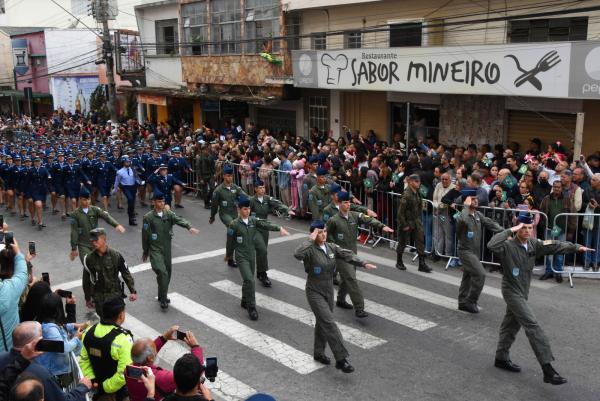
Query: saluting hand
x=516, y=228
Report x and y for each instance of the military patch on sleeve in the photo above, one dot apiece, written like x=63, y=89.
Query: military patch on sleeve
x=73, y=221
x=230, y=231
x=146, y=226
x=317, y=270
x=516, y=271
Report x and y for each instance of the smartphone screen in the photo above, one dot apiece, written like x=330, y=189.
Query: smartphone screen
x=64, y=293
x=211, y=369
x=134, y=372
x=8, y=238
x=50, y=346
x=32, y=247
x=180, y=335
x=1, y=221
x=46, y=277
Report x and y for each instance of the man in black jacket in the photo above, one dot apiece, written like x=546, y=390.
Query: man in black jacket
x=24, y=334
x=187, y=373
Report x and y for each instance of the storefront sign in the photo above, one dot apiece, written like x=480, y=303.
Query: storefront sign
x=152, y=99
x=533, y=69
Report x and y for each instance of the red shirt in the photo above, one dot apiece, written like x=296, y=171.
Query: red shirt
x=165, y=384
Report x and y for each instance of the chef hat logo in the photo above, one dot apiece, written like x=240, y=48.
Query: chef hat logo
x=335, y=66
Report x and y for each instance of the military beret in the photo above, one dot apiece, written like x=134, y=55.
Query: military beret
x=525, y=218
x=259, y=183
x=322, y=171
x=335, y=188
x=343, y=196
x=158, y=195
x=227, y=169
x=84, y=193
x=243, y=201
x=96, y=233
x=112, y=307
x=317, y=225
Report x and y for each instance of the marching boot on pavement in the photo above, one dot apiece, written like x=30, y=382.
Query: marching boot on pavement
x=517, y=258
x=320, y=258
x=260, y=206
x=223, y=201
x=157, y=232
x=342, y=230
x=469, y=232
x=244, y=230
x=410, y=226
x=83, y=220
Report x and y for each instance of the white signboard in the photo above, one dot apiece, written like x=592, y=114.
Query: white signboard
x=540, y=69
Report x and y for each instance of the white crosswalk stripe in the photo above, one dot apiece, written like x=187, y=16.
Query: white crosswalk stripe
x=225, y=386
x=352, y=335
x=383, y=311
x=266, y=345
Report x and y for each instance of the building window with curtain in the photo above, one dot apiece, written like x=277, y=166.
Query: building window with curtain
x=262, y=24
x=226, y=26
x=318, y=113
x=195, y=28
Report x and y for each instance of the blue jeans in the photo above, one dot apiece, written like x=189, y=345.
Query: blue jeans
x=427, y=221
x=555, y=262
x=592, y=240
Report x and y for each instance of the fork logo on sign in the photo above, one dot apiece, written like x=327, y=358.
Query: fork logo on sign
x=547, y=62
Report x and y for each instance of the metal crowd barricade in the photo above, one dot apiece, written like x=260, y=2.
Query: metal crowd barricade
x=76, y=375
x=577, y=231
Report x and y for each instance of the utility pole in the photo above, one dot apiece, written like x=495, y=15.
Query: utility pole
x=101, y=12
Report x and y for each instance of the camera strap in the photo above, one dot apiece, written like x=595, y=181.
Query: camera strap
x=3, y=336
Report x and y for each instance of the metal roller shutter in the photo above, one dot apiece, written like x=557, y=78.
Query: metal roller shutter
x=548, y=127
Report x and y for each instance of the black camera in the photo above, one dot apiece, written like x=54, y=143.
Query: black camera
x=211, y=369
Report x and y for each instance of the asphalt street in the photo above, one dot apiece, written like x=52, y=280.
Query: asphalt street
x=415, y=345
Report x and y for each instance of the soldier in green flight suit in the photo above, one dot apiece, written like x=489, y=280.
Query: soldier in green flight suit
x=319, y=196
x=342, y=230
x=410, y=225
x=224, y=201
x=157, y=233
x=103, y=265
x=260, y=206
x=517, y=259
x=205, y=165
x=333, y=207
x=320, y=259
x=83, y=220
x=243, y=231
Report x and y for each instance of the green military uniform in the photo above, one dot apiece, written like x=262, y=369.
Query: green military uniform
x=409, y=214
x=224, y=201
x=469, y=233
x=157, y=232
x=103, y=273
x=260, y=208
x=320, y=265
x=343, y=231
x=333, y=208
x=318, y=198
x=244, y=236
x=205, y=166
x=106, y=366
x=81, y=225
x=517, y=263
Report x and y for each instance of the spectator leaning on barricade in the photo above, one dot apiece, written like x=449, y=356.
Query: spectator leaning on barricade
x=591, y=229
x=552, y=205
x=143, y=354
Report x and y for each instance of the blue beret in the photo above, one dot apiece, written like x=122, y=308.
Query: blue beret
x=84, y=193
x=259, y=182
x=322, y=171
x=260, y=397
x=227, y=169
x=335, y=188
x=317, y=224
x=243, y=201
x=525, y=218
x=158, y=195
x=343, y=196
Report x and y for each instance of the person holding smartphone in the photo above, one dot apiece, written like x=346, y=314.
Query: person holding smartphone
x=144, y=355
x=11, y=289
x=189, y=381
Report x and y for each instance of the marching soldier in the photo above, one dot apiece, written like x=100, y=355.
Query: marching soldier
x=157, y=232
x=342, y=230
x=319, y=196
x=410, y=226
x=334, y=206
x=83, y=220
x=104, y=173
x=223, y=201
x=517, y=258
x=163, y=182
x=469, y=232
x=243, y=231
x=38, y=187
x=260, y=206
x=320, y=259
x=205, y=165
x=103, y=265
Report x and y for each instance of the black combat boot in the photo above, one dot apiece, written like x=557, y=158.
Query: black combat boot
x=399, y=262
x=551, y=376
x=423, y=266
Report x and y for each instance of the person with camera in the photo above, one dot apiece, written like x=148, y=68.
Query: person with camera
x=107, y=351
x=319, y=258
x=189, y=381
x=144, y=355
x=11, y=288
x=103, y=266
x=11, y=372
x=157, y=233
x=22, y=338
x=83, y=220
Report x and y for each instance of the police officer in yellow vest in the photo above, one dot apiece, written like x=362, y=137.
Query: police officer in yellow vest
x=106, y=352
